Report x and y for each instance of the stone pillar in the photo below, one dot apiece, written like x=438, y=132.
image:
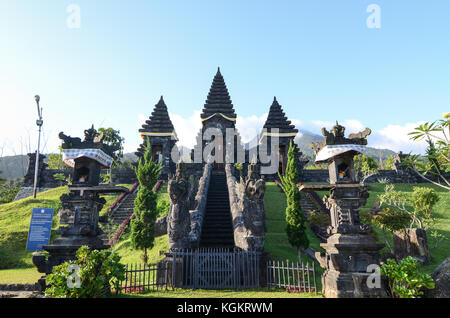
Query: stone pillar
x=412, y=242
x=350, y=249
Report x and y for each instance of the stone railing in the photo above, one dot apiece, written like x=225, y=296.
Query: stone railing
x=247, y=210
x=197, y=215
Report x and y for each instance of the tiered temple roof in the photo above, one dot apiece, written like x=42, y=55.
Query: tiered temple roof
x=218, y=101
x=278, y=119
x=159, y=121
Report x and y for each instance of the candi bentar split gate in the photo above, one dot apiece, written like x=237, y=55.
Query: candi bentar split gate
x=216, y=224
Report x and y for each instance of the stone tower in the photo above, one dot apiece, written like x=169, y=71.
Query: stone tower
x=219, y=115
x=159, y=130
x=286, y=133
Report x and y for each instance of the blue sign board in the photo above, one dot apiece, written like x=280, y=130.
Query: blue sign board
x=40, y=229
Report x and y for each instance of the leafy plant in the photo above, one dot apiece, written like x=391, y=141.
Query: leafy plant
x=391, y=220
x=163, y=207
x=295, y=219
x=405, y=279
x=418, y=204
x=367, y=166
x=106, y=178
x=145, y=208
x=437, y=135
x=8, y=195
x=87, y=276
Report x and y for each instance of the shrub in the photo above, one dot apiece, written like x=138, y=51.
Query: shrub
x=87, y=276
x=405, y=279
x=8, y=195
x=163, y=207
x=366, y=166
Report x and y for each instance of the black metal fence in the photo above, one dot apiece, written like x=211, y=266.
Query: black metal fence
x=143, y=277
x=300, y=278
x=216, y=269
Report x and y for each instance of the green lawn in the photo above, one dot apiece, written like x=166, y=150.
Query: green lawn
x=201, y=293
x=15, y=221
x=276, y=243
x=441, y=212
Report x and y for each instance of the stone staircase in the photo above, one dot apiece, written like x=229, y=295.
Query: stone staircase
x=217, y=230
x=124, y=209
x=118, y=215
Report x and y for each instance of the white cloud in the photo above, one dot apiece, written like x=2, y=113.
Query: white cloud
x=395, y=137
x=187, y=128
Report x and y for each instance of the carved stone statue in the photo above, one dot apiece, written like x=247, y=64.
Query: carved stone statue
x=178, y=221
x=248, y=211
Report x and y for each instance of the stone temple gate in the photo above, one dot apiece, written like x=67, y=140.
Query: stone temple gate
x=219, y=115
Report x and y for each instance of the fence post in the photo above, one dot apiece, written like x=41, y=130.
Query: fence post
x=314, y=276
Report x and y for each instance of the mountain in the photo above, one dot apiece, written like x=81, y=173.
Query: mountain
x=304, y=138
x=13, y=167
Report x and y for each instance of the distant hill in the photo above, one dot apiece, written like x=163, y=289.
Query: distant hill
x=13, y=167
x=307, y=137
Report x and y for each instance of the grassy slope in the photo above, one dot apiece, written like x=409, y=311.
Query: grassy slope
x=276, y=243
x=14, y=223
x=441, y=212
x=15, y=220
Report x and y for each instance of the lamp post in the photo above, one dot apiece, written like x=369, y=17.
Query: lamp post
x=39, y=123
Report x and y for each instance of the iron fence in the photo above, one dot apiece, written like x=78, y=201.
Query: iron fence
x=216, y=269
x=143, y=277
x=293, y=277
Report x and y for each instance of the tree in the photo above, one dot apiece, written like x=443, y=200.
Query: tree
x=366, y=165
x=55, y=161
x=295, y=219
x=437, y=135
x=389, y=163
x=418, y=204
x=145, y=204
x=112, y=138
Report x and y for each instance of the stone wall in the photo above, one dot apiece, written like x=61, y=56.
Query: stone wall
x=247, y=210
x=197, y=215
x=391, y=176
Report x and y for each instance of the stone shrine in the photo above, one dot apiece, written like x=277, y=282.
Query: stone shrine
x=79, y=215
x=350, y=249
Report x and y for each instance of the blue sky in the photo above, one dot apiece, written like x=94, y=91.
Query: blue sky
x=318, y=57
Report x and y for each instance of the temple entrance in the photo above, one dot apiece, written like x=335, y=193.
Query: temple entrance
x=157, y=153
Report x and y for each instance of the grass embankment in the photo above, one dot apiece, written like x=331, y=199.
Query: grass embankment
x=131, y=256
x=15, y=221
x=441, y=212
